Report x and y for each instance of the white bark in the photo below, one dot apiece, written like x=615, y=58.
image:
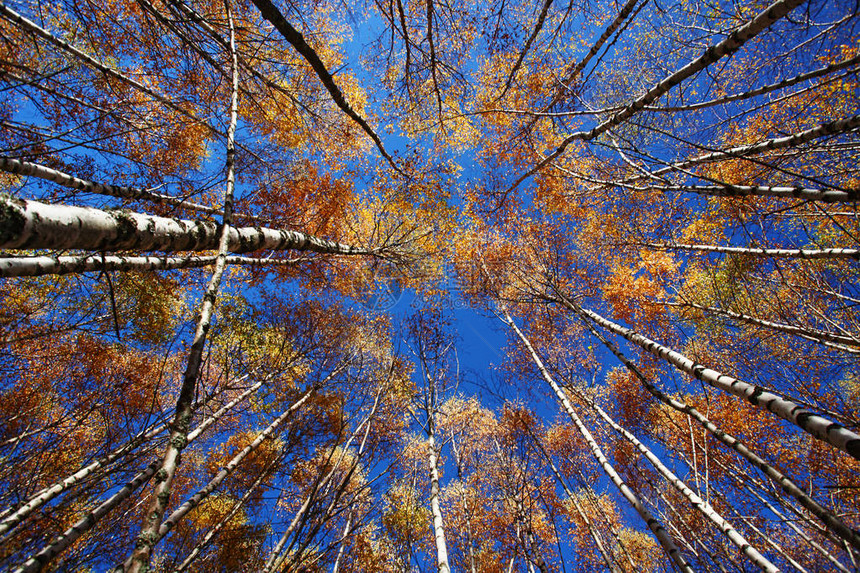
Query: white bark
x=695, y=500
x=277, y=557
x=25, y=168
x=34, y=225
x=827, y=129
x=220, y=525
x=812, y=334
x=436, y=510
x=346, y=531
x=818, y=426
x=828, y=518
x=721, y=189
x=47, y=494
x=62, y=265
x=839, y=253
x=150, y=531
x=228, y=469
x=38, y=561
x=430, y=407
x=654, y=525
x=784, y=192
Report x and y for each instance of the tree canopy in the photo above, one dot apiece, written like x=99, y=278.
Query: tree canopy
x=211, y=214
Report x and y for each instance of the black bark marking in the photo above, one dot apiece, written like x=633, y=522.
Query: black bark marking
x=12, y=220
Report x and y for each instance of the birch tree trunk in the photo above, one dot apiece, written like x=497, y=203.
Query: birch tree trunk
x=695, y=500
x=783, y=192
x=420, y=333
x=277, y=557
x=607, y=560
x=49, y=493
x=63, y=265
x=812, y=334
x=527, y=537
x=833, y=522
x=150, y=534
x=210, y=535
x=759, y=252
x=653, y=524
x=342, y=545
x=38, y=561
x=222, y=474
x=34, y=225
x=824, y=130
x=24, y=168
x=436, y=510
x=816, y=425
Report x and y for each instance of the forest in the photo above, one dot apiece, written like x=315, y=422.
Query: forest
x=245, y=245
